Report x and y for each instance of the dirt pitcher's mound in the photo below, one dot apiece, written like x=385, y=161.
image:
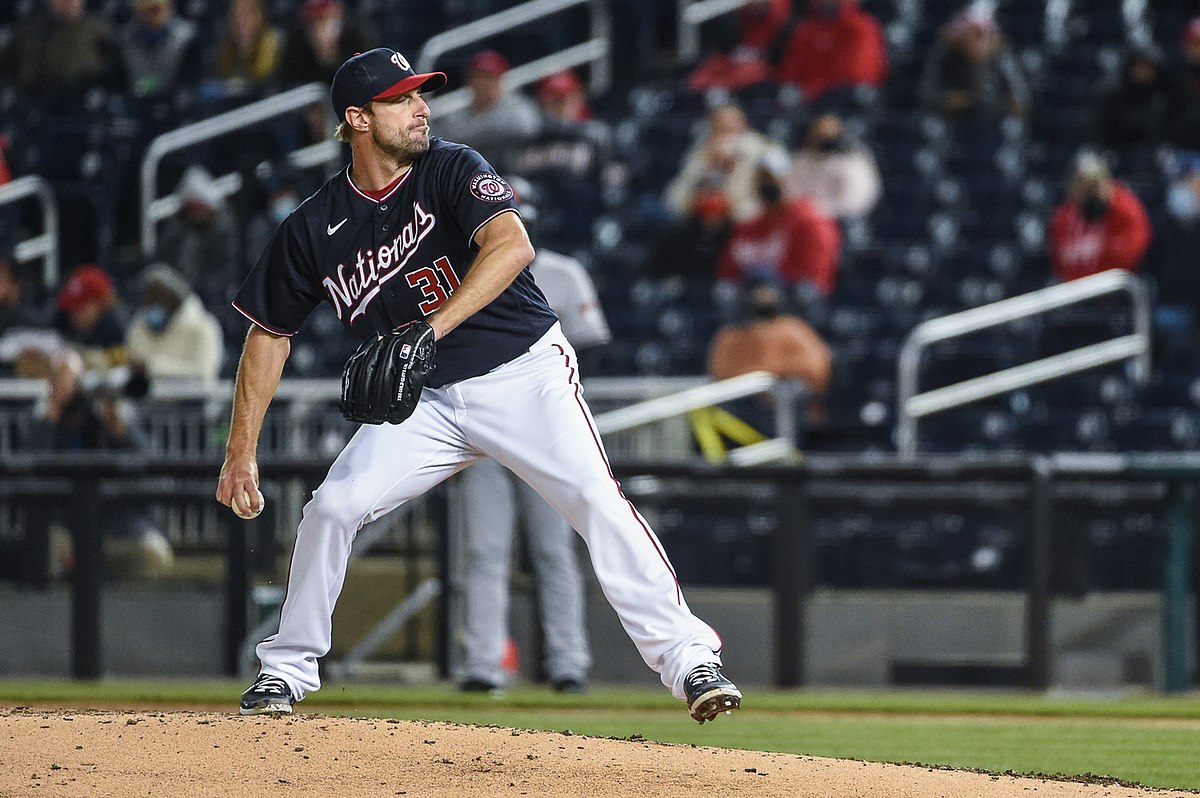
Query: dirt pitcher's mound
x=203, y=755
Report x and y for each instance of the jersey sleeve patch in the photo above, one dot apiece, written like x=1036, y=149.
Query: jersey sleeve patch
x=490, y=188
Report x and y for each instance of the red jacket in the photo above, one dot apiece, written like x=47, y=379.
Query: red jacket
x=840, y=50
x=1118, y=240
x=761, y=22
x=793, y=243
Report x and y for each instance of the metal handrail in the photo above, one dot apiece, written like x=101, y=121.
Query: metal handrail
x=692, y=15
x=594, y=52
x=664, y=407
x=40, y=246
x=297, y=100
x=911, y=405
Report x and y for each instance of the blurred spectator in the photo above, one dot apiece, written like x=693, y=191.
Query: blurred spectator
x=16, y=312
x=566, y=159
x=1184, y=117
x=727, y=156
x=78, y=418
x=249, y=49
x=791, y=241
x=89, y=317
x=21, y=326
x=835, y=45
x=171, y=334
x=834, y=170
x=737, y=64
x=499, y=121
x=61, y=53
x=1176, y=270
x=201, y=240
x=762, y=23
x=281, y=194
x=1133, y=113
x=768, y=339
x=319, y=41
x=690, y=247
x=972, y=73
x=1101, y=225
x=561, y=97
x=160, y=51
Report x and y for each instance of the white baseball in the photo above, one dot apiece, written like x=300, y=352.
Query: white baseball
x=243, y=508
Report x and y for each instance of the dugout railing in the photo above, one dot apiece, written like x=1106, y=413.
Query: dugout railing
x=1033, y=489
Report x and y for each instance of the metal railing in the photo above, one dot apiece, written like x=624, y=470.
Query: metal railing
x=298, y=100
x=693, y=13
x=912, y=406
x=593, y=52
x=184, y=417
x=45, y=245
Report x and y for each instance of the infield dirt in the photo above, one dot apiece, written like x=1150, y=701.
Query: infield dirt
x=96, y=754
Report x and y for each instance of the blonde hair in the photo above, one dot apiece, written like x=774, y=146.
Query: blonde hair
x=342, y=131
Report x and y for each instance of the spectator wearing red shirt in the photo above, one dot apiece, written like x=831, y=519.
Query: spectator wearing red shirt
x=836, y=44
x=1100, y=226
x=790, y=241
x=736, y=65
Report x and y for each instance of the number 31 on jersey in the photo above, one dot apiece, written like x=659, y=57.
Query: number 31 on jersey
x=436, y=283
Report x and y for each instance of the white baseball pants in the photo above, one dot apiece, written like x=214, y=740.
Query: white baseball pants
x=530, y=416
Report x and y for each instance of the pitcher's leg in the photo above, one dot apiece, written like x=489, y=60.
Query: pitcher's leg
x=560, y=587
x=380, y=468
x=489, y=515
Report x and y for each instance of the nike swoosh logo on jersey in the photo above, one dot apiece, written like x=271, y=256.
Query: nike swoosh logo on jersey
x=333, y=228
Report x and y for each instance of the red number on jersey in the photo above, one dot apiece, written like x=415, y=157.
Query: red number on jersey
x=436, y=286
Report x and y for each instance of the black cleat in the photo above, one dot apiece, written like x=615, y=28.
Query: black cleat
x=570, y=686
x=481, y=686
x=709, y=693
x=269, y=695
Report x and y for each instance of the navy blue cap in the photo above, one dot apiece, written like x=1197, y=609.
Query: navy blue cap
x=376, y=75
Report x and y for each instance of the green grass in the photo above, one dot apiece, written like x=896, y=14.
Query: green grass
x=1150, y=740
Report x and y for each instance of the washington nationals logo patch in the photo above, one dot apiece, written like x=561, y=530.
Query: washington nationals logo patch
x=490, y=188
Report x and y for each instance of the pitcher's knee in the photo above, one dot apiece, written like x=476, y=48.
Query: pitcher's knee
x=340, y=510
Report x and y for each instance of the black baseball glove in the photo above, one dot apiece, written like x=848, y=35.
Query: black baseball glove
x=382, y=381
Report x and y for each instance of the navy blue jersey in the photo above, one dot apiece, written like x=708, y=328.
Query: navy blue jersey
x=384, y=262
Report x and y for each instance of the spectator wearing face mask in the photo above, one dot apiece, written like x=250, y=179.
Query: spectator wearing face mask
x=1101, y=225
x=726, y=157
x=769, y=339
x=834, y=170
x=789, y=241
x=171, y=334
x=689, y=247
x=201, y=240
x=281, y=194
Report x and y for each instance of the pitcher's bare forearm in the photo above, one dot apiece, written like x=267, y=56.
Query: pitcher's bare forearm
x=259, y=372
x=504, y=250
